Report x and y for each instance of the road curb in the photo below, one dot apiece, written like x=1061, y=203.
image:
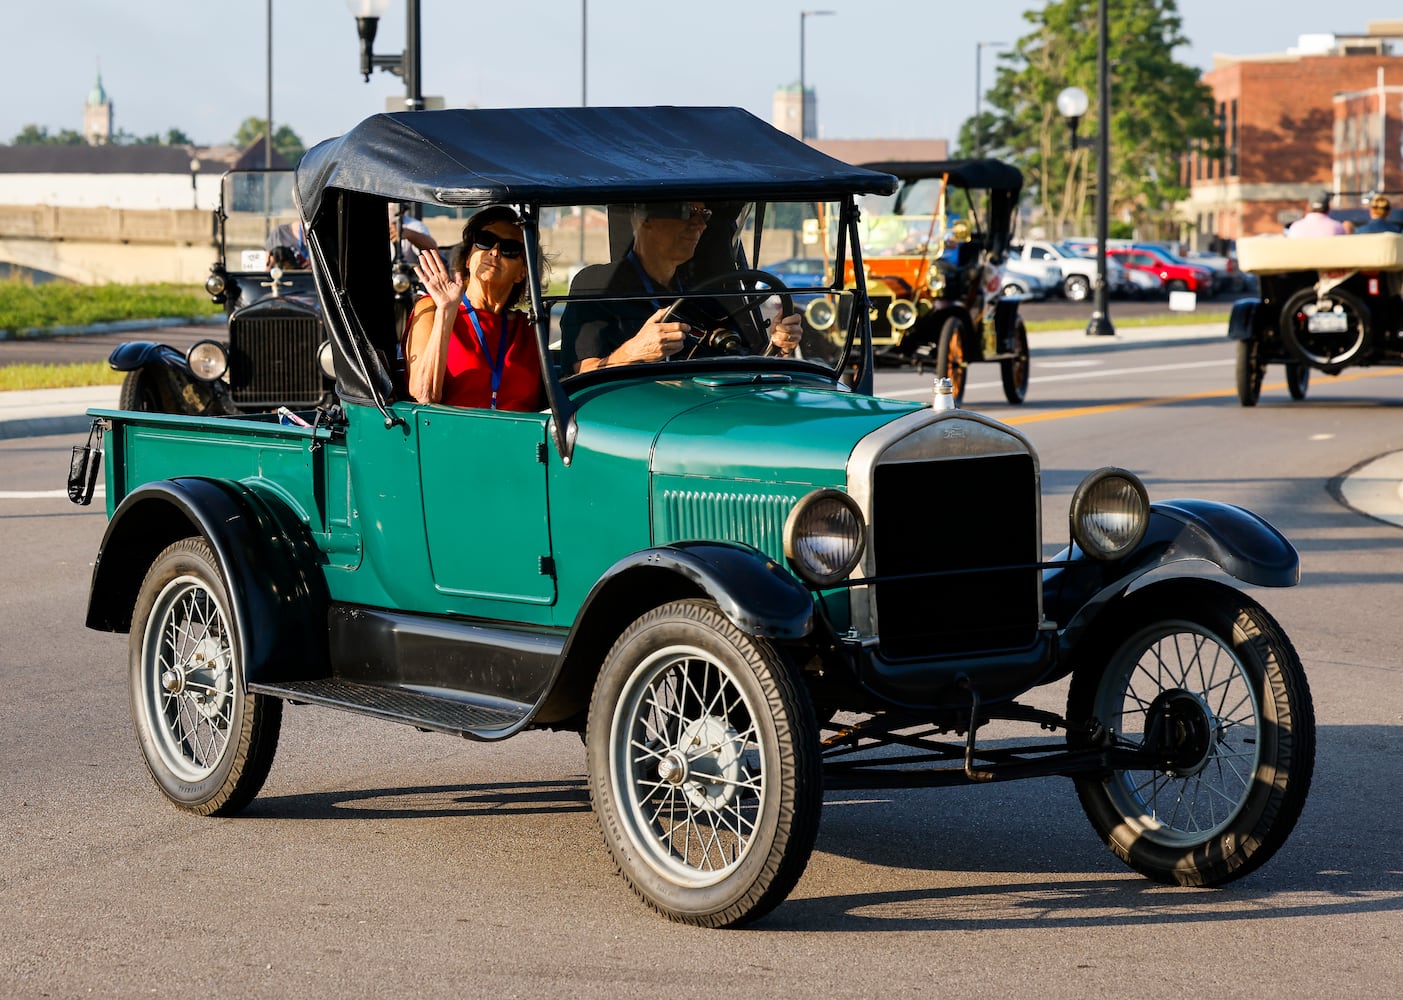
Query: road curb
x=116, y=326
x=26, y=427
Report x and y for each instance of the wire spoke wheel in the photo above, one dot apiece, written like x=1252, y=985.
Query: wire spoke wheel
x=208, y=744
x=704, y=766
x=1203, y=681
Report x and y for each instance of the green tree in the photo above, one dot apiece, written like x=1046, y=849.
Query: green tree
x=1159, y=110
x=285, y=140
x=38, y=135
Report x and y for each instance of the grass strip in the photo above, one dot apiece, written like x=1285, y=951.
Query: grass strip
x=26, y=306
x=58, y=376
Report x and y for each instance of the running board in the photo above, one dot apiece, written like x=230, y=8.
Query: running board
x=450, y=712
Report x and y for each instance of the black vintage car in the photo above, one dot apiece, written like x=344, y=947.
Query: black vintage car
x=1327, y=303
x=932, y=252
x=275, y=351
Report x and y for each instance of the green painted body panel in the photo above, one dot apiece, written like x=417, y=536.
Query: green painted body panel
x=474, y=513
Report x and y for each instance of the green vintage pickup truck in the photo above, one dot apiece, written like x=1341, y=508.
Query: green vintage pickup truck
x=718, y=568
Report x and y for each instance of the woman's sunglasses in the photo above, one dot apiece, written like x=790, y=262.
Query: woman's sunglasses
x=506, y=247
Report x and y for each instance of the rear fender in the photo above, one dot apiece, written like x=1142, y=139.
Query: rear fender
x=1242, y=323
x=265, y=555
x=1243, y=544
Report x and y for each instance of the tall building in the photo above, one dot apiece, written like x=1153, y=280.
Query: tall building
x=97, y=115
x=784, y=114
x=1323, y=116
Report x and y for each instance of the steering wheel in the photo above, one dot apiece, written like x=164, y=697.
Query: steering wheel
x=728, y=336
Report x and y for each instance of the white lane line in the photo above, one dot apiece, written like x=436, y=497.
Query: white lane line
x=42, y=494
x=1099, y=373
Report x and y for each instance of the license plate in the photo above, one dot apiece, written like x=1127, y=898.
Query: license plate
x=1331, y=322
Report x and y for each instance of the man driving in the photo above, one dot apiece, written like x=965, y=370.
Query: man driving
x=605, y=334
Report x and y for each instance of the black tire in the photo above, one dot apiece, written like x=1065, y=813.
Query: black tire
x=1076, y=287
x=714, y=853
x=1176, y=285
x=1238, y=732
x=1013, y=290
x=950, y=356
x=1250, y=371
x=1014, y=371
x=139, y=392
x=1324, y=350
x=1297, y=380
x=208, y=744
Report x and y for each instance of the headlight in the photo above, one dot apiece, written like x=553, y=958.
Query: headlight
x=208, y=360
x=935, y=281
x=820, y=314
x=824, y=537
x=325, y=361
x=214, y=284
x=1110, y=511
x=400, y=280
x=901, y=314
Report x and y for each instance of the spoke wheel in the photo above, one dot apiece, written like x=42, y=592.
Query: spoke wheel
x=1014, y=371
x=208, y=745
x=1202, y=678
x=1297, y=380
x=1250, y=370
x=950, y=356
x=704, y=767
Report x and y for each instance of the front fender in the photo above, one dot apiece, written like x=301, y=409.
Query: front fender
x=1243, y=544
x=136, y=354
x=1242, y=323
x=265, y=556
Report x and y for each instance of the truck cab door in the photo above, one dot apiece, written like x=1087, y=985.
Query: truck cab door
x=484, y=486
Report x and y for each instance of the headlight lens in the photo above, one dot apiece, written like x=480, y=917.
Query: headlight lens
x=208, y=360
x=935, y=281
x=1110, y=512
x=400, y=280
x=901, y=314
x=325, y=361
x=824, y=537
x=820, y=314
x=214, y=284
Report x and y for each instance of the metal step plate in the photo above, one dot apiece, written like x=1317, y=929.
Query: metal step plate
x=455, y=714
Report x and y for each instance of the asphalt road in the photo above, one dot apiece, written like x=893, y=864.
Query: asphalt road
x=381, y=861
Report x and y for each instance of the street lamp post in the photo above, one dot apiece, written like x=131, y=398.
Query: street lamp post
x=194, y=188
x=367, y=14
x=1072, y=103
x=268, y=135
x=803, y=90
x=979, y=48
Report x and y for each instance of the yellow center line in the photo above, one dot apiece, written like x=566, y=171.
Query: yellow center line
x=1086, y=411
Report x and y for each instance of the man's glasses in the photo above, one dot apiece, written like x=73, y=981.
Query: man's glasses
x=507, y=247
x=680, y=212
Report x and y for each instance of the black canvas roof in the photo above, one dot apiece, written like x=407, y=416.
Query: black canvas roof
x=568, y=156
x=996, y=175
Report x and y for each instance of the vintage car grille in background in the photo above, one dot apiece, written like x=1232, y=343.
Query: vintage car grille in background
x=880, y=301
x=958, y=514
x=273, y=360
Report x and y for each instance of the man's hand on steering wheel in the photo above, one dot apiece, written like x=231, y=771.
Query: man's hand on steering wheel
x=728, y=335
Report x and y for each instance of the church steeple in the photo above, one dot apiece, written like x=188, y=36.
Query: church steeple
x=97, y=114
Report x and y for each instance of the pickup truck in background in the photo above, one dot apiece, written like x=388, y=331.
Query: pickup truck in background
x=1076, y=274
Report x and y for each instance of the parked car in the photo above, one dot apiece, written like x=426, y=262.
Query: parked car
x=932, y=253
x=1226, y=275
x=1016, y=282
x=802, y=272
x=1177, y=275
x=741, y=577
x=1078, y=272
x=1326, y=304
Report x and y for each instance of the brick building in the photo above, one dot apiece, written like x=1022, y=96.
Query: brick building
x=1295, y=124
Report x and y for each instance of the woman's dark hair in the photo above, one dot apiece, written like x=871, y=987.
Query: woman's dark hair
x=459, y=253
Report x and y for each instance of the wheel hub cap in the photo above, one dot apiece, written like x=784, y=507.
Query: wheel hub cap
x=711, y=751
x=1182, y=730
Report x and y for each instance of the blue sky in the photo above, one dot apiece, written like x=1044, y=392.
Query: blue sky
x=892, y=68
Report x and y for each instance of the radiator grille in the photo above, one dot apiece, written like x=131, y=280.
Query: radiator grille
x=273, y=360
x=735, y=517
x=965, y=515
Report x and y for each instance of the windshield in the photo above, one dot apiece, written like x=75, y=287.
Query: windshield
x=734, y=283
x=256, y=205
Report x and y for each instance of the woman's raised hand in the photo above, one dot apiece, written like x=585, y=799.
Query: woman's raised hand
x=444, y=287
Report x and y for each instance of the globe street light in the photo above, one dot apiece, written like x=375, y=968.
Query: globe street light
x=367, y=14
x=803, y=91
x=979, y=47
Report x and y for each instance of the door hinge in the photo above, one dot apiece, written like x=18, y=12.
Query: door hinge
x=548, y=566
x=541, y=452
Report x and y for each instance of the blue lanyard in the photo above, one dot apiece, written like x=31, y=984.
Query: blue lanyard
x=500, y=361
x=647, y=283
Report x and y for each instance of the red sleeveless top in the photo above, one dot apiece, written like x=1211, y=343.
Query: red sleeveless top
x=468, y=379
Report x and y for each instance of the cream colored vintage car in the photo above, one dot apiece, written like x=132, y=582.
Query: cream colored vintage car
x=1327, y=303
